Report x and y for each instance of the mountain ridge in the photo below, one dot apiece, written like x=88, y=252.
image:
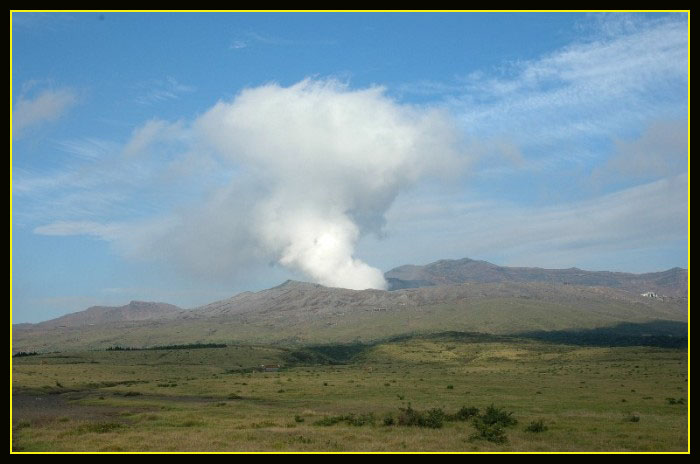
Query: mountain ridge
x=671, y=282
x=301, y=312
x=133, y=311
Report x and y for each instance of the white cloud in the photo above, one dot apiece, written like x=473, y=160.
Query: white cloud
x=151, y=132
x=88, y=148
x=47, y=106
x=295, y=175
x=161, y=90
x=579, y=96
x=333, y=160
x=238, y=44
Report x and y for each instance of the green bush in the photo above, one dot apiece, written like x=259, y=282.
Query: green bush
x=536, y=427
x=489, y=432
x=408, y=416
x=490, y=425
x=464, y=414
x=498, y=416
x=433, y=418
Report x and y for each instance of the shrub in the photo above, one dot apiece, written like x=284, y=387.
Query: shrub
x=490, y=425
x=489, y=432
x=536, y=427
x=298, y=418
x=464, y=414
x=433, y=418
x=498, y=416
x=410, y=417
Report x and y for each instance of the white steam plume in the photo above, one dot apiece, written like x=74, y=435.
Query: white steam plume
x=331, y=161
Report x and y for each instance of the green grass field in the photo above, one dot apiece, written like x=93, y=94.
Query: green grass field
x=583, y=398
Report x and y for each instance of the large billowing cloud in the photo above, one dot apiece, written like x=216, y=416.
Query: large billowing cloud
x=291, y=175
x=328, y=162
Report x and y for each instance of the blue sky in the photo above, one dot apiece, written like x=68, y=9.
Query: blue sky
x=144, y=156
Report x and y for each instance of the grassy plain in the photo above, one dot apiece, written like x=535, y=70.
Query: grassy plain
x=588, y=398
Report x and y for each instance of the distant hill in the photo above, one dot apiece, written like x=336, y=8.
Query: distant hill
x=672, y=283
x=98, y=315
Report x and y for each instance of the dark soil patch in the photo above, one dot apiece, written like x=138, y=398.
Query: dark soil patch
x=40, y=409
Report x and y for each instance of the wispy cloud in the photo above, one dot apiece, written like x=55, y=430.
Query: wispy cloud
x=47, y=106
x=585, y=89
x=106, y=232
x=249, y=39
x=633, y=221
x=151, y=132
x=567, y=106
x=87, y=148
x=161, y=90
x=238, y=44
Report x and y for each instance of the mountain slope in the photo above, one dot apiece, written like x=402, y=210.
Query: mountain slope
x=671, y=283
x=300, y=313
x=98, y=315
